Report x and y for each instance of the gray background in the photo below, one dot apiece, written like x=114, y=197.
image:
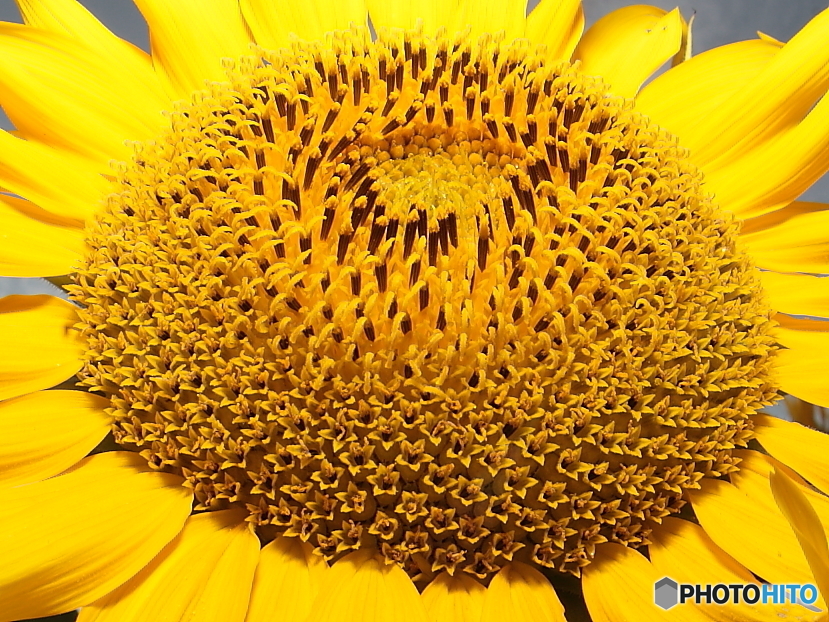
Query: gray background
x=717, y=22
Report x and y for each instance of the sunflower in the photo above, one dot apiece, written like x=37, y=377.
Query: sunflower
x=455, y=322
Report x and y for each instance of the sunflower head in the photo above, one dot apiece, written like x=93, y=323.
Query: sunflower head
x=425, y=294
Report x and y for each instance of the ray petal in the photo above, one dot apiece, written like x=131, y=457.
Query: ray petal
x=205, y=574
x=558, y=25
x=791, y=239
x=796, y=446
x=62, y=93
x=273, y=23
x=58, y=182
x=798, y=294
x=683, y=96
x=521, y=593
x=744, y=521
x=406, y=14
x=618, y=587
x=807, y=351
x=806, y=525
x=682, y=550
x=72, y=18
x=458, y=598
x=776, y=99
x=773, y=174
x=492, y=16
x=626, y=46
x=39, y=347
x=362, y=587
x=189, y=39
x=109, y=517
x=288, y=579
x=45, y=433
x=30, y=247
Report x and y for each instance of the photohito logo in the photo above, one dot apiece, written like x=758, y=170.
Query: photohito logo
x=668, y=593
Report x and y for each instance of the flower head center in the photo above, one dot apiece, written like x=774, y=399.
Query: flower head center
x=438, y=297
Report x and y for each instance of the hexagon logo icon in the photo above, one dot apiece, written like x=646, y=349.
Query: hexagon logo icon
x=665, y=593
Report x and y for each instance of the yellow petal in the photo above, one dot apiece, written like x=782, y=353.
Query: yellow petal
x=774, y=173
x=558, y=24
x=272, y=23
x=58, y=182
x=683, y=96
x=189, y=39
x=45, y=433
x=768, y=38
x=406, y=13
x=618, y=587
x=626, y=46
x=805, y=524
x=757, y=467
x=792, y=239
x=682, y=550
x=800, y=367
x=796, y=446
x=750, y=226
x=30, y=247
x=363, y=588
x=64, y=94
x=492, y=16
x=454, y=599
x=205, y=574
x=287, y=581
x=39, y=347
x=27, y=208
x=686, y=49
x=798, y=294
x=480, y=16
x=773, y=101
x=69, y=17
x=801, y=323
x=756, y=470
x=520, y=593
x=745, y=522
x=69, y=540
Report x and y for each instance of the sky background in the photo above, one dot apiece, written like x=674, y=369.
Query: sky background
x=718, y=22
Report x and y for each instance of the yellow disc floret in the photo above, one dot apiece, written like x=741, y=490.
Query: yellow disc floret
x=433, y=296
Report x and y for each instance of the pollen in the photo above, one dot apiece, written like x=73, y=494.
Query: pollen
x=435, y=296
